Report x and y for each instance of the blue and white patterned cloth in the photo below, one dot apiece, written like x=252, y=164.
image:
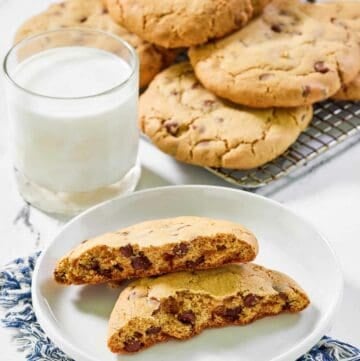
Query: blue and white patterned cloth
x=15, y=296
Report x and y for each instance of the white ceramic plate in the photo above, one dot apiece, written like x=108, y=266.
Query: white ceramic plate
x=75, y=318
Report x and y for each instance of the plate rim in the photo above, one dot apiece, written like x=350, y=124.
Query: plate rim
x=303, y=346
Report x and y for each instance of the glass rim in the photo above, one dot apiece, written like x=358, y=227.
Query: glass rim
x=124, y=43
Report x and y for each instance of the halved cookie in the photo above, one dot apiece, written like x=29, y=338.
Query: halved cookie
x=285, y=58
x=93, y=14
x=190, y=123
x=181, y=305
x=157, y=247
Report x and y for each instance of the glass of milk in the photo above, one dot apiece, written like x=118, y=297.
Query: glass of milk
x=72, y=100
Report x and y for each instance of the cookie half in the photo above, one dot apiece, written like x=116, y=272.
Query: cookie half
x=347, y=15
x=183, y=23
x=93, y=14
x=181, y=305
x=193, y=125
x=157, y=247
x=284, y=58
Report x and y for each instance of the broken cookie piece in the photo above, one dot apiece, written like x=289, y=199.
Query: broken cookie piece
x=181, y=305
x=157, y=247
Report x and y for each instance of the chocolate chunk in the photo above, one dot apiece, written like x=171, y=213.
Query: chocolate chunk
x=127, y=251
x=320, y=67
x=171, y=305
x=229, y=314
x=92, y=264
x=181, y=249
x=306, y=91
x=141, y=262
x=153, y=330
x=187, y=317
x=251, y=300
x=133, y=345
x=138, y=334
x=172, y=127
x=276, y=28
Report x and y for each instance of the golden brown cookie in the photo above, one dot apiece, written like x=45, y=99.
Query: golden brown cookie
x=157, y=247
x=93, y=14
x=286, y=57
x=181, y=305
x=193, y=125
x=183, y=23
x=347, y=15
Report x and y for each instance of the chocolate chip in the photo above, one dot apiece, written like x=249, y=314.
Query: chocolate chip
x=229, y=314
x=220, y=247
x=197, y=262
x=118, y=267
x=265, y=76
x=251, y=300
x=168, y=257
x=187, y=317
x=208, y=102
x=306, y=91
x=153, y=330
x=133, y=345
x=127, y=251
x=320, y=67
x=171, y=305
x=105, y=11
x=172, y=127
x=141, y=262
x=82, y=20
x=181, y=249
x=92, y=264
x=276, y=28
x=105, y=272
x=138, y=334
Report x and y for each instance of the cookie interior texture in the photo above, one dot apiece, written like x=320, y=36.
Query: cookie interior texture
x=183, y=23
x=157, y=247
x=93, y=14
x=286, y=57
x=347, y=15
x=193, y=125
x=182, y=305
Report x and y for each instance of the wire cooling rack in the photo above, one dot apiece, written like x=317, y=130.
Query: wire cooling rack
x=333, y=124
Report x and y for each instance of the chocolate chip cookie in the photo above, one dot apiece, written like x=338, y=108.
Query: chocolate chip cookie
x=286, y=57
x=93, y=14
x=347, y=15
x=157, y=247
x=181, y=305
x=183, y=23
x=193, y=125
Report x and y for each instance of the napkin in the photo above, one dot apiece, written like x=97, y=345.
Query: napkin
x=15, y=297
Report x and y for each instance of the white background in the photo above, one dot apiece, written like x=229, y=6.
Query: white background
x=328, y=196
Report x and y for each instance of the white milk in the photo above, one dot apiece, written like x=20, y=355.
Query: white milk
x=74, y=145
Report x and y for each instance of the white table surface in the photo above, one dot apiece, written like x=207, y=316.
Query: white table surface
x=328, y=196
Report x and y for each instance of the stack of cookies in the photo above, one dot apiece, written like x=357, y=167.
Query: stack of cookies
x=194, y=274
x=255, y=71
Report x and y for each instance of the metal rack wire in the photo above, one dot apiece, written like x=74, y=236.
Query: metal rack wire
x=333, y=123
